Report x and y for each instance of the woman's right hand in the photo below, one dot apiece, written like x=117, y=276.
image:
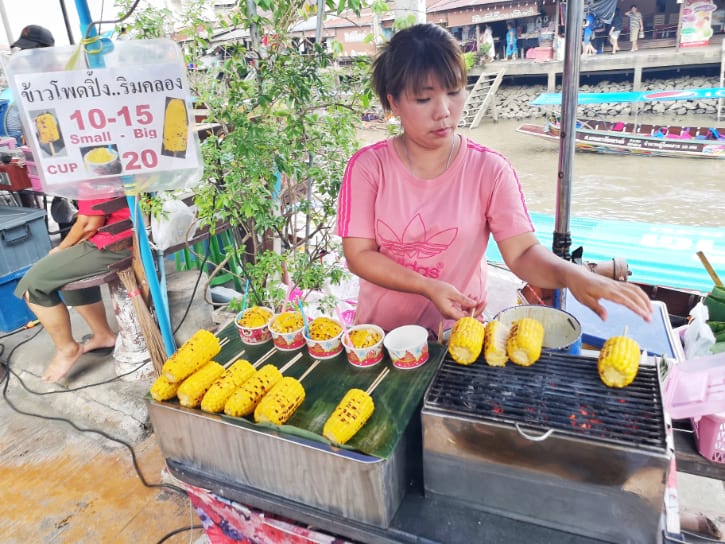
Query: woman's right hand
x=451, y=303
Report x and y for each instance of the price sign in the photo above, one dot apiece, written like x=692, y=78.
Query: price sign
x=121, y=122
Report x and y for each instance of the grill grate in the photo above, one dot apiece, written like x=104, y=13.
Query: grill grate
x=560, y=392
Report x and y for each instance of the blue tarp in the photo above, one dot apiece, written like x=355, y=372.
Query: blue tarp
x=554, y=99
x=657, y=254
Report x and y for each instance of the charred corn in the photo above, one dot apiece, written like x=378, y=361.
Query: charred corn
x=162, y=389
x=245, y=399
x=494, y=344
x=280, y=403
x=192, y=355
x=466, y=340
x=193, y=388
x=349, y=416
x=220, y=391
x=524, y=342
x=618, y=361
x=47, y=128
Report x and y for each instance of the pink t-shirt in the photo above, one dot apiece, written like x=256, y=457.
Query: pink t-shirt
x=103, y=239
x=438, y=227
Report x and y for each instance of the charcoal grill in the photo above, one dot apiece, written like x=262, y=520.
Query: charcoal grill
x=550, y=444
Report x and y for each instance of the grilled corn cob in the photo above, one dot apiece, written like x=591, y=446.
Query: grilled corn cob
x=524, y=343
x=466, y=340
x=163, y=389
x=193, y=388
x=494, y=344
x=618, y=361
x=47, y=128
x=280, y=403
x=349, y=416
x=233, y=377
x=192, y=355
x=245, y=399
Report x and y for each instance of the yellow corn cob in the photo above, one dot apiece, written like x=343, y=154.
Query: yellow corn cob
x=47, y=128
x=524, y=343
x=193, y=388
x=618, y=361
x=494, y=344
x=192, y=355
x=349, y=416
x=163, y=389
x=220, y=391
x=176, y=126
x=245, y=399
x=466, y=340
x=280, y=403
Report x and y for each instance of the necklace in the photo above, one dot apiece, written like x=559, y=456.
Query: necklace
x=404, y=143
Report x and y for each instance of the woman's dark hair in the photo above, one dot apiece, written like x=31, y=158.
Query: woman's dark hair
x=411, y=56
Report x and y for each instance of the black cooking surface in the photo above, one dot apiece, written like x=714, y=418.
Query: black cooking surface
x=560, y=392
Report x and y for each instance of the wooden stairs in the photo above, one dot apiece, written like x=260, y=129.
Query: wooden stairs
x=481, y=98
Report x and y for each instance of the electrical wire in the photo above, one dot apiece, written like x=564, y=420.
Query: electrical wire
x=5, y=380
x=113, y=21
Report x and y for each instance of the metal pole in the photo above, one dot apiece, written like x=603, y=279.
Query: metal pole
x=567, y=141
x=6, y=23
x=67, y=22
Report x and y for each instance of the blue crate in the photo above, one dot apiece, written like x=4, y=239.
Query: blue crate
x=23, y=237
x=14, y=312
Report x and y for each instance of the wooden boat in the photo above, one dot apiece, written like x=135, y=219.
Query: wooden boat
x=632, y=138
x=616, y=137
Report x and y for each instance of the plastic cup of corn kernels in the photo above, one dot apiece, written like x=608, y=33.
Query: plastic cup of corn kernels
x=248, y=324
x=287, y=329
x=325, y=340
x=364, y=345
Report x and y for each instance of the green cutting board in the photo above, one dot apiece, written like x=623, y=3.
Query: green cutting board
x=397, y=398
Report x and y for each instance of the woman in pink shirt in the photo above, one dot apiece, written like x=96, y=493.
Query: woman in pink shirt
x=415, y=211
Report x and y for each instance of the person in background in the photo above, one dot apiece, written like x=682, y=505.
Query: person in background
x=635, y=26
x=560, y=43
x=614, y=30
x=511, y=41
x=488, y=48
x=62, y=210
x=415, y=211
x=84, y=252
x=588, y=47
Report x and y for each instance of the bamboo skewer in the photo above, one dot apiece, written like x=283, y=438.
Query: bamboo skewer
x=235, y=358
x=377, y=381
x=312, y=367
x=710, y=270
x=264, y=357
x=292, y=361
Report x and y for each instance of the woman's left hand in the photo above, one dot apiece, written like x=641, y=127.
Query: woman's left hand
x=589, y=288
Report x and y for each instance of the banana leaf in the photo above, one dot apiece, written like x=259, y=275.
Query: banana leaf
x=397, y=398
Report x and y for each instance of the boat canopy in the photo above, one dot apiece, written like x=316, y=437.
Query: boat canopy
x=554, y=99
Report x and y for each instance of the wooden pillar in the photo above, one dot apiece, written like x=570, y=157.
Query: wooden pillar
x=551, y=81
x=637, y=83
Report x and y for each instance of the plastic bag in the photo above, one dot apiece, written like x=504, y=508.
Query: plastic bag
x=174, y=226
x=641, y=34
x=698, y=336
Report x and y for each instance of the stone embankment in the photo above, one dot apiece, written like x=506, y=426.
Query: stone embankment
x=513, y=101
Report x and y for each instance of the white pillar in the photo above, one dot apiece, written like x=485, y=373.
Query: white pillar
x=6, y=23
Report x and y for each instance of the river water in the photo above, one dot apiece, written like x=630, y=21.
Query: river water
x=688, y=192
x=628, y=188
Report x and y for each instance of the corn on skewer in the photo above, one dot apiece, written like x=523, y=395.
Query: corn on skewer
x=192, y=355
x=162, y=389
x=283, y=399
x=236, y=372
x=246, y=397
x=494, y=343
x=192, y=389
x=351, y=413
x=525, y=341
x=466, y=340
x=618, y=361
